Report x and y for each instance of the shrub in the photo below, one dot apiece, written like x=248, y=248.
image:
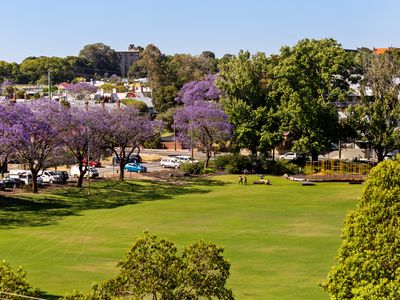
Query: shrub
x=15, y=282
x=281, y=167
x=208, y=171
x=233, y=163
x=191, y=168
x=154, y=143
x=20, y=94
x=139, y=105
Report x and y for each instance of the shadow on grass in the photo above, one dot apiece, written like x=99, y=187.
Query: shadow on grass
x=51, y=206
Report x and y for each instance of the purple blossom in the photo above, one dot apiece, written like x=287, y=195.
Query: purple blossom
x=7, y=83
x=204, y=90
x=124, y=131
x=81, y=89
x=28, y=130
x=204, y=124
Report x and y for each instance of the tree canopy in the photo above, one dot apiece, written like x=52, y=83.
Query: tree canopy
x=101, y=57
x=307, y=78
x=154, y=268
x=368, y=262
x=376, y=116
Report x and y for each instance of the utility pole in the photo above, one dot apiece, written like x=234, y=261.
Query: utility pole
x=49, y=83
x=88, y=158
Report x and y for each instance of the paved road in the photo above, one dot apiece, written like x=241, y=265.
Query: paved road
x=110, y=171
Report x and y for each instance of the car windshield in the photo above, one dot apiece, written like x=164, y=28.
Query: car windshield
x=52, y=173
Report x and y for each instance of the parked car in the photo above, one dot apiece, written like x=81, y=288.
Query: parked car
x=289, y=156
x=51, y=177
x=10, y=183
x=92, y=163
x=93, y=173
x=135, y=167
x=170, y=162
x=64, y=175
x=185, y=159
x=24, y=176
x=135, y=158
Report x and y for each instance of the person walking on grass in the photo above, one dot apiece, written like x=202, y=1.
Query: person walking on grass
x=245, y=180
x=240, y=179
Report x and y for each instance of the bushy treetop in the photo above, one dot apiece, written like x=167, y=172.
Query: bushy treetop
x=204, y=90
x=368, y=263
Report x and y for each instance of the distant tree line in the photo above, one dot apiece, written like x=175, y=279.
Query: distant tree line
x=294, y=95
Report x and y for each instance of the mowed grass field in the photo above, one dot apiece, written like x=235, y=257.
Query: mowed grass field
x=281, y=239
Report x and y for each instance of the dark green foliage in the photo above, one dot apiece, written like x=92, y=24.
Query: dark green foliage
x=307, y=78
x=154, y=143
x=164, y=98
x=191, y=168
x=14, y=282
x=368, y=260
x=234, y=163
x=281, y=167
x=243, y=82
x=101, y=57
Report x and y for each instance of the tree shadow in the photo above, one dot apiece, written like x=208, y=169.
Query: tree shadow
x=49, y=207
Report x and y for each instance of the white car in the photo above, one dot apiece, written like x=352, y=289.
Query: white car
x=288, y=156
x=51, y=177
x=170, y=162
x=185, y=159
x=25, y=176
x=93, y=173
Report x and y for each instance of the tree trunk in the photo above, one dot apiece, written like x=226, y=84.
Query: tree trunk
x=121, y=169
x=208, y=156
x=379, y=155
x=82, y=173
x=314, y=156
x=80, y=180
x=34, y=182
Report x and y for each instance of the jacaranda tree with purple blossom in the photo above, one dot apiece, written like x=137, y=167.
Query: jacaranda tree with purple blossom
x=82, y=135
x=203, y=90
x=204, y=125
x=81, y=90
x=124, y=130
x=29, y=131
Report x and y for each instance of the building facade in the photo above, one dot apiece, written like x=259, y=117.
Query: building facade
x=127, y=58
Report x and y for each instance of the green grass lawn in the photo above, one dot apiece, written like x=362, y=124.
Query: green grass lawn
x=280, y=239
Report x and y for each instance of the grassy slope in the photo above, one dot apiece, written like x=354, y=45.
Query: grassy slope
x=281, y=239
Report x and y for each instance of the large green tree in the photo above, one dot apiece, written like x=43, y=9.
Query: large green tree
x=102, y=58
x=164, y=98
x=36, y=69
x=9, y=71
x=368, y=262
x=376, y=116
x=243, y=83
x=306, y=79
x=151, y=60
x=154, y=268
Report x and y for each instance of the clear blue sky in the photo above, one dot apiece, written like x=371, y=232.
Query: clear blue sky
x=61, y=28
